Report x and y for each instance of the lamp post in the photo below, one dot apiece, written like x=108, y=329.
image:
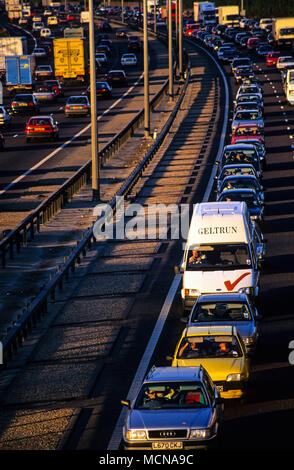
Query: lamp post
x=146, y=73
x=170, y=50
x=93, y=96
x=181, y=39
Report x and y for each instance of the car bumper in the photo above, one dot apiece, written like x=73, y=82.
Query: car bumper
x=24, y=110
x=39, y=135
x=77, y=112
x=231, y=390
x=187, y=445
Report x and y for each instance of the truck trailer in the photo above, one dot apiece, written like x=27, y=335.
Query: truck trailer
x=228, y=14
x=283, y=32
x=204, y=12
x=11, y=46
x=20, y=72
x=71, y=60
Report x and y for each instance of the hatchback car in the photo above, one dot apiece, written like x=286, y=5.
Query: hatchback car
x=241, y=62
x=249, y=89
x=56, y=87
x=254, y=203
x=43, y=71
x=5, y=117
x=252, y=116
x=102, y=57
x=250, y=97
x=176, y=408
x=242, y=73
x=117, y=78
x=22, y=104
x=45, y=94
x=253, y=43
x=237, y=169
x=42, y=127
x=284, y=61
x=221, y=351
x=247, y=105
x=260, y=147
x=128, y=60
x=247, y=131
x=272, y=58
x=39, y=52
x=103, y=90
x=239, y=154
x=228, y=309
x=241, y=182
x=77, y=106
x=103, y=48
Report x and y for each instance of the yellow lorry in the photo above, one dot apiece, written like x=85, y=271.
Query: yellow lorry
x=71, y=60
x=228, y=14
x=283, y=32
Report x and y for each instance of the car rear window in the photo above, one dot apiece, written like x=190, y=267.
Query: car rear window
x=40, y=122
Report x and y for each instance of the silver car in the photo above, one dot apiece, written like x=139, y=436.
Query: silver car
x=248, y=116
x=176, y=408
x=77, y=106
x=5, y=117
x=228, y=309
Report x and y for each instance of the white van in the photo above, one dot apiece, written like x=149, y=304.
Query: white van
x=223, y=252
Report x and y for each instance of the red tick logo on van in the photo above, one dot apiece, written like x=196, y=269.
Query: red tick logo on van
x=230, y=286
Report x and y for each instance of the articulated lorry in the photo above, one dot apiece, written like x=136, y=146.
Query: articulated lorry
x=11, y=46
x=20, y=73
x=204, y=12
x=283, y=32
x=71, y=60
x=228, y=14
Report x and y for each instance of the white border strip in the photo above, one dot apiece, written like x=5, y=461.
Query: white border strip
x=65, y=144
x=116, y=437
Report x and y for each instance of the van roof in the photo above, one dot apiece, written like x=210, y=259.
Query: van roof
x=219, y=222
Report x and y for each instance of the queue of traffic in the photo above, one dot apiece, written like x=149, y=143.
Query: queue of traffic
x=32, y=83
x=221, y=267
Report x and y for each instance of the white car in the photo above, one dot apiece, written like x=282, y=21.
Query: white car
x=45, y=32
x=284, y=61
x=128, y=60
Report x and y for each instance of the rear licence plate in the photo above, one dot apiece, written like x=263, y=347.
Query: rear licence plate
x=22, y=104
x=40, y=129
x=77, y=107
x=167, y=445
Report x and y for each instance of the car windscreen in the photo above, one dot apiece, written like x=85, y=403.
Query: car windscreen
x=194, y=347
x=171, y=395
x=248, y=197
x=239, y=156
x=218, y=256
x=240, y=183
x=220, y=312
x=227, y=171
x=247, y=115
x=40, y=122
x=24, y=98
x=77, y=100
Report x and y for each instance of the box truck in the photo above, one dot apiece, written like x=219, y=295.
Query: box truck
x=11, y=46
x=20, y=72
x=283, y=32
x=70, y=60
x=204, y=12
x=228, y=14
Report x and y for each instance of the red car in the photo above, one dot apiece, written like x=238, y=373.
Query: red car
x=117, y=78
x=247, y=131
x=56, y=87
x=70, y=17
x=272, y=58
x=42, y=127
x=252, y=43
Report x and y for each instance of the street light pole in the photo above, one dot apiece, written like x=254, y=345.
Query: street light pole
x=122, y=11
x=146, y=73
x=181, y=38
x=93, y=95
x=155, y=16
x=170, y=50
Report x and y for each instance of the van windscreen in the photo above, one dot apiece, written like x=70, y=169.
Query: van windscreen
x=218, y=256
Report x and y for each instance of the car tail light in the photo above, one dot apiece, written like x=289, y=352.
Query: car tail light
x=86, y=106
x=14, y=103
x=31, y=104
x=52, y=95
x=67, y=107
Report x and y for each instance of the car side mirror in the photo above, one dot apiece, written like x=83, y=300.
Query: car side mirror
x=126, y=403
x=169, y=358
x=184, y=319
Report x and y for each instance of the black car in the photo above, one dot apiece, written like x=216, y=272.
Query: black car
x=104, y=48
x=24, y=103
x=103, y=90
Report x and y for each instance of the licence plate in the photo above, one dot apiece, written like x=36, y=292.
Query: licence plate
x=40, y=129
x=22, y=104
x=77, y=107
x=167, y=445
x=42, y=96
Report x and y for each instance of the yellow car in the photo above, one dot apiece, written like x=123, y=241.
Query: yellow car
x=221, y=351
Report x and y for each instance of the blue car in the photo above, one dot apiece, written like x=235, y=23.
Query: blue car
x=254, y=203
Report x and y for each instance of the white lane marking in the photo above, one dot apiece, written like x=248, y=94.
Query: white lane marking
x=116, y=437
x=65, y=144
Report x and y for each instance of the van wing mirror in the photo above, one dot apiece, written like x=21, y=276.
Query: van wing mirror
x=126, y=403
x=178, y=269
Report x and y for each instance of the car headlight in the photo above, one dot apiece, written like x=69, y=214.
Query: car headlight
x=235, y=377
x=246, y=290
x=249, y=340
x=136, y=434
x=192, y=292
x=200, y=433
